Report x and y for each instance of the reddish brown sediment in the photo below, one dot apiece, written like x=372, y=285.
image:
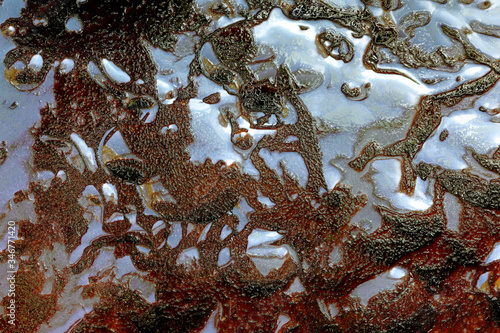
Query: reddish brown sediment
x=439, y=293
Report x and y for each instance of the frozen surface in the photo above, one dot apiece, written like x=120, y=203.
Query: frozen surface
x=221, y=166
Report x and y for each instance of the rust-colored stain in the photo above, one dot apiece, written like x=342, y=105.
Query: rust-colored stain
x=442, y=265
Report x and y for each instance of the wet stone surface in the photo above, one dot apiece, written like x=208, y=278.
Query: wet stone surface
x=250, y=166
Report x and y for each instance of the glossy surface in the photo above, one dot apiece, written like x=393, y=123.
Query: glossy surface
x=253, y=166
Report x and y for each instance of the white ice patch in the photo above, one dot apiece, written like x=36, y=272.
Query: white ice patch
x=268, y=251
x=241, y=210
x=262, y=237
x=295, y=287
x=143, y=249
x=75, y=317
x=164, y=87
x=397, y=273
x=132, y=217
x=117, y=144
x=11, y=29
x=282, y=320
x=266, y=257
x=204, y=233
x=115, y=72
x=44, y=178
x=74, y=24
x=86, y=152
x=110, y=193
x=494, y=254
x=36, y=63
x=61, y=175
x=332, y=175
x=212, y=140
x=175, y=236
x=151, y=114
x=452, y=209
x=172, y=128
x=333, y=310
x=125, y=266
x=265, y=201
x=226, y=231
x=335, y=256
x=210, y=325
x=96, y=74
x=190, y=227
x=266, y=265
x=375, y=286
x=482, y=279
x=386, y=177
x=115, y=217
x=158, y=226
x=293, y=161
x=224, y=257
x=188, y=257
x=330, y=311
x=466, y=128
x=83, y=280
